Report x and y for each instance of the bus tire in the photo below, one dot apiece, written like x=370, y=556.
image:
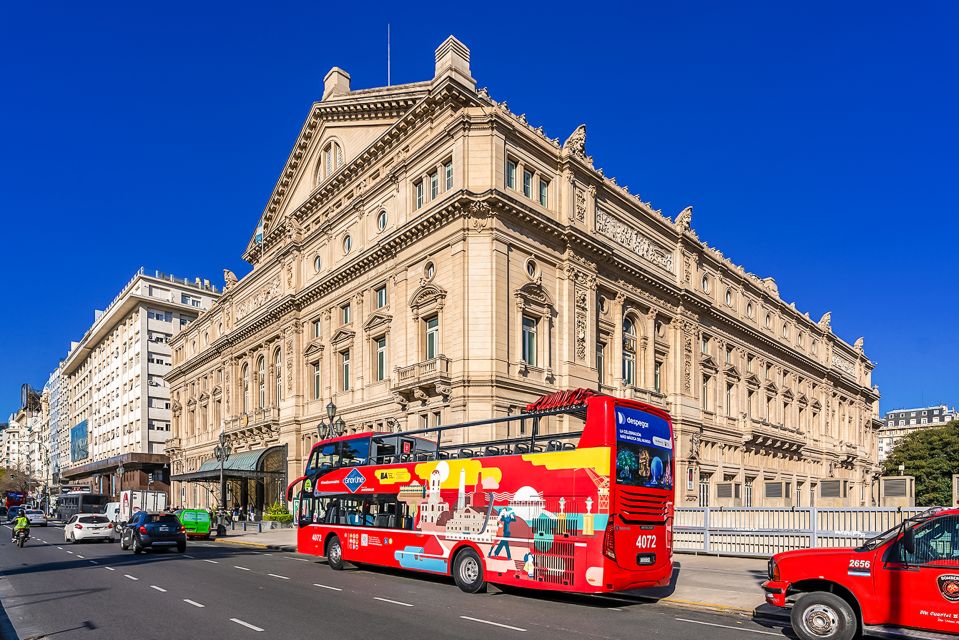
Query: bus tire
x=334, y=553
x=468, y=571
x=820, y=615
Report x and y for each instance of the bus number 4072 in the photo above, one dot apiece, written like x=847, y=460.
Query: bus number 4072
x=646, y=542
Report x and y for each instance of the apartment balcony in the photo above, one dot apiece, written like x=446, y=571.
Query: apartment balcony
x=418, y=381
x=775, y=437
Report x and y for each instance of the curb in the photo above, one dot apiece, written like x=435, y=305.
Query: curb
x=259, y=545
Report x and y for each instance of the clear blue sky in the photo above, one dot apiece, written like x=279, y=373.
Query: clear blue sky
x=817, y=142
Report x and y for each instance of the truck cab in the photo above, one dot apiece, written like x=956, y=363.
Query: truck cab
x=902, y=583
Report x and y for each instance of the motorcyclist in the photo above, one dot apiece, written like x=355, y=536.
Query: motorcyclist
x=20, y=523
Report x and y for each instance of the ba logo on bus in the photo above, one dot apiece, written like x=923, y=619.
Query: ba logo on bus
x=354, y=480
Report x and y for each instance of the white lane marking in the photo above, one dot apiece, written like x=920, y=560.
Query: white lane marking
x=495, y=624
x=60, y=548
x=109, y=568
x=160, y=589
x=725, y=626
x=614, y=609
x=236, y=566
x=245, y=624
x=402, y=604
x=323, y=586
x=299, y=559
x=70, y=552
x=276, y=576
x=79, y=556
x=127, y=575
x=212, y=561
x=187, y=555
x=195, y=604
x=93, y=562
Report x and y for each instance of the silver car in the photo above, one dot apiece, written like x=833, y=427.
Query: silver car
x=36, y=518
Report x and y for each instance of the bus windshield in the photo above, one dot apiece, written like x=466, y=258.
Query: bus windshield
x=644, y=449
x=335, y=454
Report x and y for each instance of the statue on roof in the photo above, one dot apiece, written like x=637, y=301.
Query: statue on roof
x=825, y=322
x=576, y=142
x=229, y=280
x=859, y=344
x=684, y=220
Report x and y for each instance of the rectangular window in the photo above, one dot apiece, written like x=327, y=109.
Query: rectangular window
x=601, y=362
x=345, y=369
x=658, y=377
x=544, y=192
x=434, y=185
x=316, y=381
x=729, y=355
x=380, y=359
x=381, y=297
x=529, y=341
x=432, y=337
x=316, y=328
x=345, y=313
x=729, y=399
x=437, y=418
x=448, y=169
x=629, y=368
x=527, y=183
x=705, y=393
x=511, y=174
x=704, y=345
x=419, y=194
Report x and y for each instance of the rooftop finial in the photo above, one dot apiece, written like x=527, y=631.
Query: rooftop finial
x=453, y=59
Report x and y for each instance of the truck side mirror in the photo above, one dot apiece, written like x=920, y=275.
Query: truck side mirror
x=908, y=541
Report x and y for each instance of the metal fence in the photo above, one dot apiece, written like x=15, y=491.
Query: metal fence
x=761, y=532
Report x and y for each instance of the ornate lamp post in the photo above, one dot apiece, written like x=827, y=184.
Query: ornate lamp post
x=222, y=452
x=332, y=429
x=120, y=471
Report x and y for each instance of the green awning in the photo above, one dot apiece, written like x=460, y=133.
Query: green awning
x=244, y=464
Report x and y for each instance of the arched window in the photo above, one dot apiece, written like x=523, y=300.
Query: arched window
x=332, y=159
x=278, y=376
x=246, y=387
x=261, y=382
x=629, y=352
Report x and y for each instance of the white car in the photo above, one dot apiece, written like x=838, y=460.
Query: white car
x=36, y=517
x=88, y=526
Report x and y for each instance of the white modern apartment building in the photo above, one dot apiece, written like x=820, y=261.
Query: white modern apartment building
x=901, y=422
x=119, y=403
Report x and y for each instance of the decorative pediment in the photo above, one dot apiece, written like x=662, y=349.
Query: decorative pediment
x=752, y=380
x=816, y=405
x=771, y=387
x=533, y=293
x=217, y=391
x=377, y=320
x=709, y=364
x=204, y=398
x=788, y=395
x=342, y=335
x=732, y=372
x=191, y=403
x=313, y=349
x=802, y=399
x=426, y=297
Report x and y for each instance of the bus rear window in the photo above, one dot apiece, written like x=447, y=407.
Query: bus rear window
x=644, y=450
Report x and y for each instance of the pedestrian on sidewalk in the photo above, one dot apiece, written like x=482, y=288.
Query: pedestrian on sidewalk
x=251, y=513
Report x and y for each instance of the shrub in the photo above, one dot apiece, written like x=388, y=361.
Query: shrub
x=277, y=512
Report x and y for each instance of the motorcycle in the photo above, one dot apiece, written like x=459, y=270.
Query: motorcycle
x=21, y=538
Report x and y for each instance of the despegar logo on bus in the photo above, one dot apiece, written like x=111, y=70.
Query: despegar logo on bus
x=949, y=586
x=354, y=480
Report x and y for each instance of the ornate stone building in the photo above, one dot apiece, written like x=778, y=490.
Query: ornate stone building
x=428, y=256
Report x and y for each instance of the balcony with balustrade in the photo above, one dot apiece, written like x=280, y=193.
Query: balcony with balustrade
x=417, y=381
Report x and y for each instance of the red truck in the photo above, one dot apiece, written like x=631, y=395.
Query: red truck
x=903, y=583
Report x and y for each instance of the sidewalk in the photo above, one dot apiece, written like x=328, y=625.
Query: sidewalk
x=712, y=582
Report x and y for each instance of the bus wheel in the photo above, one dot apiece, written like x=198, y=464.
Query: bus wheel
x=468, y=572
x=334, y=553
x=823, y=616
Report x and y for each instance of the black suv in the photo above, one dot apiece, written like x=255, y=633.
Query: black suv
x=149, y=530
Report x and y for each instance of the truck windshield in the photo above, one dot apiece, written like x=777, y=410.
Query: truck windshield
x=881, y=539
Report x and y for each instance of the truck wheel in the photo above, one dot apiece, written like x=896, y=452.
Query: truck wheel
x=123, y=545
x=334, y=553
x=823, y=616
x=468, y=572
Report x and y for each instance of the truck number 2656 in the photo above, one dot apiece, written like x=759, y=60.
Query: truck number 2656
x=646, y=542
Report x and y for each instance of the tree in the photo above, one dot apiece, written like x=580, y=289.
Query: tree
x=931, y=456
x=17, y=480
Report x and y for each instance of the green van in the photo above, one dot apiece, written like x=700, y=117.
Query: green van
x=196, y=522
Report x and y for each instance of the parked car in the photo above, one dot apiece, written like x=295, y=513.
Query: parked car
x=112, y=511
x=196, y=522
x=88, y=526
x=36, y=518
x=151, y=530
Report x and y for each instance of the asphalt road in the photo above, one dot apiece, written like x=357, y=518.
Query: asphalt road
x=94, y=590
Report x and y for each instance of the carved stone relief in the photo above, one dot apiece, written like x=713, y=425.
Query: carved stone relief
x=631, y=238
x=267, y=293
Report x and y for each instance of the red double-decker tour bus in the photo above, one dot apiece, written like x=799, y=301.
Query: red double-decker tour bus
x=573, y=494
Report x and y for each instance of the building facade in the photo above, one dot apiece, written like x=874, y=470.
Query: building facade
x=901, y=422
x=429, y=257
x=119, y=402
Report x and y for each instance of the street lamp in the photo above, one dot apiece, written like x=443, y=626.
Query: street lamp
x=120, y=471
x=331, y=429
x=222, y=452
